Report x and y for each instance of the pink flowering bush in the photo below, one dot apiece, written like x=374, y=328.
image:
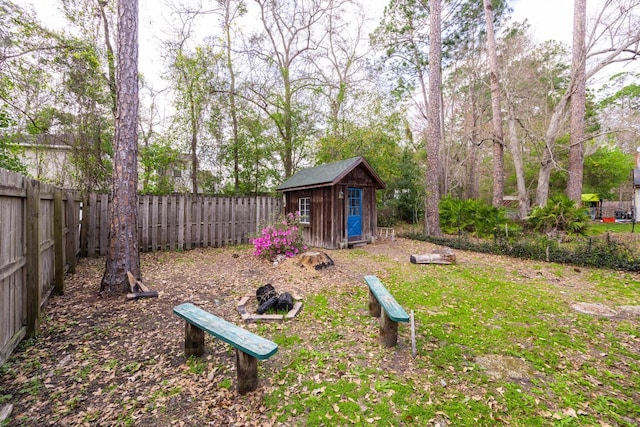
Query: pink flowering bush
x=283, y=237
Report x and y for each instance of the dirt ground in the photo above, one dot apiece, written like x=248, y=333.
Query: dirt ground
x=117, y=362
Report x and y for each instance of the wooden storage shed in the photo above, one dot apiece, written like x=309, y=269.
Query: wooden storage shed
x=336, y=201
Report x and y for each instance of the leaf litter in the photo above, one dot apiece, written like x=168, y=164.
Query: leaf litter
x=116, y=362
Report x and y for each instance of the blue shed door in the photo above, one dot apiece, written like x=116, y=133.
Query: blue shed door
x=354, y=215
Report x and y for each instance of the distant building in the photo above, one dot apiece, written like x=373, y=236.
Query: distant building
x=49, y=158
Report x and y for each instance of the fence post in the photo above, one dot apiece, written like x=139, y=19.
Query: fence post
x=72, y=232
x=58, y=246
x=84, y=226
x=33, y=258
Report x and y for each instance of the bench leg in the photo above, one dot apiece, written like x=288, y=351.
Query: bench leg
x=247, y=367
x=388, y=331
x=193, y=340
x=374, y=305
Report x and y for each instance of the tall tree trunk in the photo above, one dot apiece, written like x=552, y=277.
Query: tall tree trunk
x=194, y=146
x=578, y=71
x=614, y=53
x=498, y=137
x=288, y=127
x=232, y=97
x=434, y=135
x=547, y=162
x=123, y=254
x=516, y=155
x=472, y=186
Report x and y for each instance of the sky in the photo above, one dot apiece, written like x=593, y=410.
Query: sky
x=545, y=25
x=549, y=19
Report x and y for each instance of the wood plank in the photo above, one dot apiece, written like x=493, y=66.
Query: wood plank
x=172, y=223
x=164, y=240
x=251, y=219
x=233, y=203
x=206, y=203
x=143, y=287
x=198, y=221
x=188, y=229
x=33, y=258
x=181, y=226
x=258, y=216
x=145, y=244
x=215, y=220
x=58, y=244
x=84, y=226
x=72, y=232
x=154, y=224
x=104, y=224
x=244, y=219
x=386, y=300
x=240, y=338
x=226, y=221
x=11, y=268
x=132, y=281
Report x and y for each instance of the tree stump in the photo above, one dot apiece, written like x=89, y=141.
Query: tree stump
x=316, y=260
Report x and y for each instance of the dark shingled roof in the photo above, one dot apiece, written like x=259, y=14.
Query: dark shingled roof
x=327, y=174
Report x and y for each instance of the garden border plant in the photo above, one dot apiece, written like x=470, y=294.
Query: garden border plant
x=601, y=252
x=557, y=233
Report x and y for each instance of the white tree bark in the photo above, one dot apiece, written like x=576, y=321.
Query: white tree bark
x=498, y=136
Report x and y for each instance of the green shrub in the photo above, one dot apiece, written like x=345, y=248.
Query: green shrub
x=559, y=215
x=471, y=216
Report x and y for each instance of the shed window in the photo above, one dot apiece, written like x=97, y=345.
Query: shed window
x=304, y=207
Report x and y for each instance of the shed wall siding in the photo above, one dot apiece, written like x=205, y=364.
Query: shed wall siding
x=327, y=225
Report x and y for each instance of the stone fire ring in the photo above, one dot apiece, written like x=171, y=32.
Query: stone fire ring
x=255, y=317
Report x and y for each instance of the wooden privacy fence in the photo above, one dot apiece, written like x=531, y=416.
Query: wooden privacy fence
x=39, y=240
x=181, y=221
x=43, y=230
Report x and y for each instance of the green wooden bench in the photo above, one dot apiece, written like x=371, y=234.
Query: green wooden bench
x=383, y=305
x=249, y=346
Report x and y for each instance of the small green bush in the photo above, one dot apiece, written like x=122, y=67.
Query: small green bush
x=559, y=215
x=472, y=216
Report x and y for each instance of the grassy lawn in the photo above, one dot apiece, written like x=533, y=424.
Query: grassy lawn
x=569, y=368
x=498, y=343
x=596, y=228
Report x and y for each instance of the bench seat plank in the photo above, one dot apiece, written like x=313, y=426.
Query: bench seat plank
x=391, y=307
x=240, y=338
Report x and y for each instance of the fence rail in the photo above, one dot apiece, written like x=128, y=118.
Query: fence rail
x=44, y=229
